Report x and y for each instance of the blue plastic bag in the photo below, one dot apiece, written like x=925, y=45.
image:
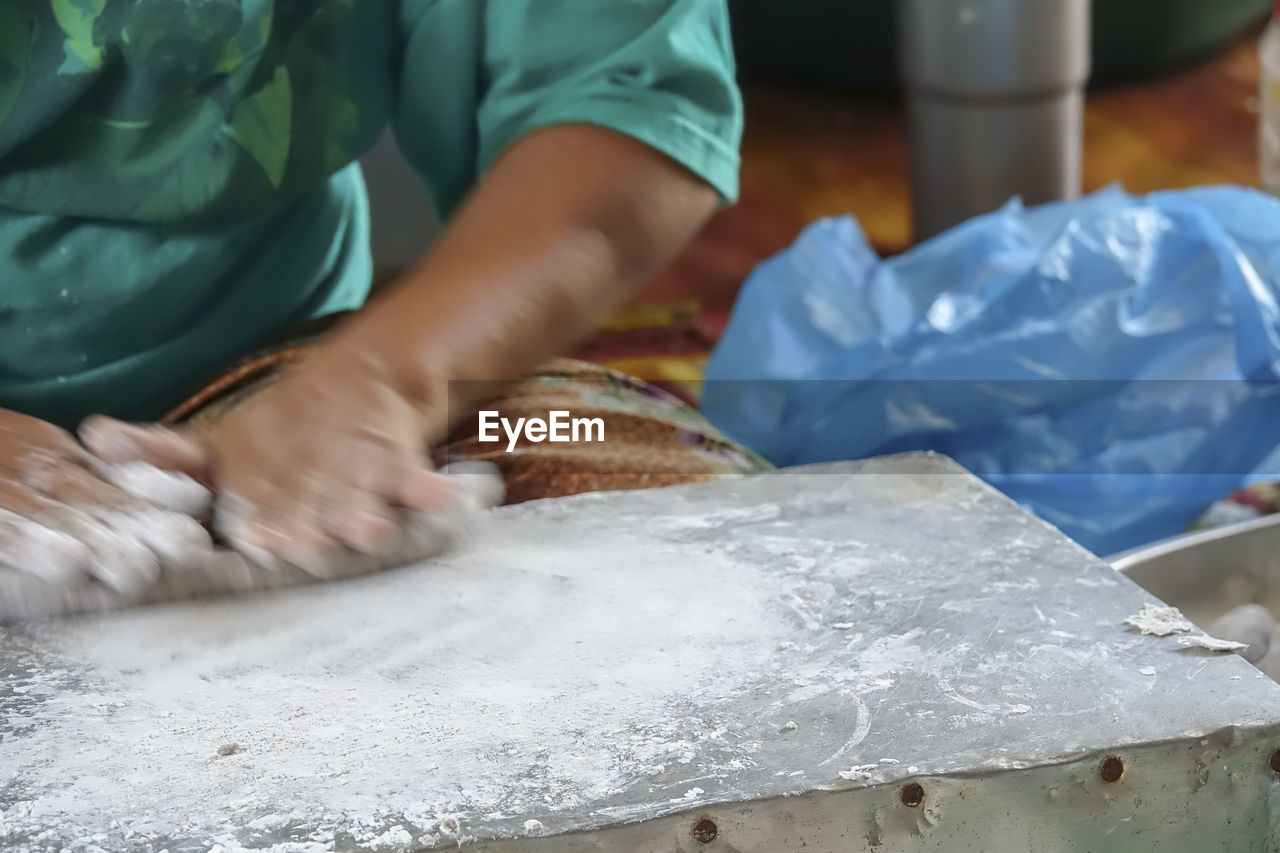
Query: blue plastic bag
x=1110, y=363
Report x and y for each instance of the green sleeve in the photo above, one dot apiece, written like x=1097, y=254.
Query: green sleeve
x=476, y=76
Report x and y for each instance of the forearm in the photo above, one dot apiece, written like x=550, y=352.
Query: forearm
x=567, y=224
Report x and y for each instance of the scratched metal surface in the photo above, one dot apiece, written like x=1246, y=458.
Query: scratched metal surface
x=655, y=653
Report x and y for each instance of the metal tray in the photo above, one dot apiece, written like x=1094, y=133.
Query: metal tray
x=1206, y=574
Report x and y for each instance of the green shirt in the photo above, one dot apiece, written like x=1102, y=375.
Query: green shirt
x=177, y=178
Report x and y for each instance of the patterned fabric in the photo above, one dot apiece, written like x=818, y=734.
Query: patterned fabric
x=1246, y=504
x=177, y=178
x=651, y=438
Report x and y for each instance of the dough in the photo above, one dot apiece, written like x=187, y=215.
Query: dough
x=1270, y=665
x=188, y=565
x=1250, y=624
x=1159, y=621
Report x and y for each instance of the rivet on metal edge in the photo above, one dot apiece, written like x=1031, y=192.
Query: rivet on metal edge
x=912, y=794
x=705, y=831
x=1274, y=761
x=1111, y=770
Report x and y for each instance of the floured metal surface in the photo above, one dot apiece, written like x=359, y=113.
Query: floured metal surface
x=608, y=663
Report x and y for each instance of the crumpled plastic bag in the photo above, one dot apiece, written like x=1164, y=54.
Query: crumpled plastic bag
x=1108, y=363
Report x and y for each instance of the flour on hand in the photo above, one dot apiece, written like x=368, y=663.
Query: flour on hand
x=169, y=490
x=145, y=553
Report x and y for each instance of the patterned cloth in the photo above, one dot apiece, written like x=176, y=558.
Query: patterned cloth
x=651, y=438
x=1245, y=504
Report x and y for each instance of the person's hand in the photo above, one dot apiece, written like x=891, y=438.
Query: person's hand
x=568, y=221
x=331, y=460
x=79, y=535
x=61, y=520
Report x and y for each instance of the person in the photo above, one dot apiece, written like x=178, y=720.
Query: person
x=185, y=262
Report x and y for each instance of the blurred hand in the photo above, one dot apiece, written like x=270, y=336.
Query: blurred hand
x=330, y=460
x=63, y=521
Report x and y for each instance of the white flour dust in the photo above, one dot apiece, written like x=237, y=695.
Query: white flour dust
x=528, y=680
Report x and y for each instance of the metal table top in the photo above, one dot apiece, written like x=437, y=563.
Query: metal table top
x=611, y=662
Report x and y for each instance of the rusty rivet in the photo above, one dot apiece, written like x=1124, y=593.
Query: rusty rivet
x=705, y=831
x=912, y=794
x=1275, y=761
x=1112, y=769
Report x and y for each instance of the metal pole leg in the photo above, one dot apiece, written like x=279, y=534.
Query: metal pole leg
x=995, y=92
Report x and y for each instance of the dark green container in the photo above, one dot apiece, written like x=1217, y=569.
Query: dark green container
x=850, y=44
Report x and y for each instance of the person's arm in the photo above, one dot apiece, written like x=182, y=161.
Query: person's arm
x=586, y=143
x=602, y=134
x=569, y=221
